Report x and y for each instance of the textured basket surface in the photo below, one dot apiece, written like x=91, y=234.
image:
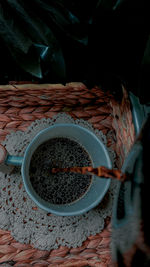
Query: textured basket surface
x=20, y=105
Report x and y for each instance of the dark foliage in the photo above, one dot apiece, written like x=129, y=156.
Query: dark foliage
x=100, y=41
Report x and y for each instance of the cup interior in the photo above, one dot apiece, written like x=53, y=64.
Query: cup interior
x=98, y=155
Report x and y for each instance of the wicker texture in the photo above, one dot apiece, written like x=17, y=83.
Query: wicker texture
x=20, y=105
x=93, y=251
x=123, y=126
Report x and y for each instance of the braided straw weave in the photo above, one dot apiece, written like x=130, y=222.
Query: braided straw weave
x=20, y=105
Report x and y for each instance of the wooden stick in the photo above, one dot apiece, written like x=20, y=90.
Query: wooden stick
x=99, y=171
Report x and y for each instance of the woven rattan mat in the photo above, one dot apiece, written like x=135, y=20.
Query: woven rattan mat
x=20, y=105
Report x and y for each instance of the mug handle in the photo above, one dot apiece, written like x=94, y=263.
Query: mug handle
x=14, y=160
x=6, y=159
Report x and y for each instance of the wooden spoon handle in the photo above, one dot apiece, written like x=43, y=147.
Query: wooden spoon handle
x=99, y=171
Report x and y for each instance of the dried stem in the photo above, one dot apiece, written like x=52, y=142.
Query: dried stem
x=99, y=171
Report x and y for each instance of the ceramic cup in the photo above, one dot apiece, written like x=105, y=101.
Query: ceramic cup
x=99, y=157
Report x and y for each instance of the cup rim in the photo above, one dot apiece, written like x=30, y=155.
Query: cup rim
x=28, y=189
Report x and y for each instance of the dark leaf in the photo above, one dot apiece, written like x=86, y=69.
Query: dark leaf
x=37, y=55
x=146, y=57
x=107, y=4
x=52, y=61
x=57, y=8
x=20, y=35
x=118, y=4
x=30, y=62
x=30, y=23
x=59, y=17
x=144, y=78
x=11, y=34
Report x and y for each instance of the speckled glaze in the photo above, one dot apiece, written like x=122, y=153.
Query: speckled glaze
x=95, y=149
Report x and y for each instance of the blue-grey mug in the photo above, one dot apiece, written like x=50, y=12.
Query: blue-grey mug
x=98, y=154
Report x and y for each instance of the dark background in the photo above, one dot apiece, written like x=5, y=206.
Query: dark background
x=116, y=49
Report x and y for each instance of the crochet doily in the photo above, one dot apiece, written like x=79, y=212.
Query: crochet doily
x=19, y=214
